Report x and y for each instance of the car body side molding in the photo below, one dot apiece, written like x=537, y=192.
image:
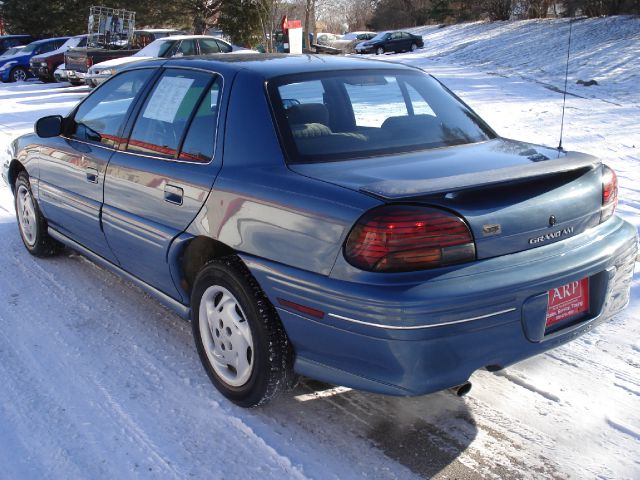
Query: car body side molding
x=182, y=310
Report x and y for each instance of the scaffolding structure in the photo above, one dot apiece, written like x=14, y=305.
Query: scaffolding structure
x=110, y=27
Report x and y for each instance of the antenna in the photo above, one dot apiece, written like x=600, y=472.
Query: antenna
x=564, y=93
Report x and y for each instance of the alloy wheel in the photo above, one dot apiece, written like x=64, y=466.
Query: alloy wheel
x=19, y=75
x=27, y=215
x=226, y=336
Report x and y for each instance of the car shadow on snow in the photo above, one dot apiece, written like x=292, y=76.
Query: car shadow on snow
x=426, y=434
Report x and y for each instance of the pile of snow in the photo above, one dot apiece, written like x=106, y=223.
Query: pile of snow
x=603, y=49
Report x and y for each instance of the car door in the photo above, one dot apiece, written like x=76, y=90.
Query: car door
x=407, y=40
x=72, y=166
x=157, y=183
x=396, y=41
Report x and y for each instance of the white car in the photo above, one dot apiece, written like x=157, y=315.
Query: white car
x=60, y=74
x=173, y=46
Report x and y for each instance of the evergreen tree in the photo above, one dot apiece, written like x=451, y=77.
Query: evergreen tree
x=240, y=21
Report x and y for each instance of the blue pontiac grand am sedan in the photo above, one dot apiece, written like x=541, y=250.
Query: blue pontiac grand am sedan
x=344, y=219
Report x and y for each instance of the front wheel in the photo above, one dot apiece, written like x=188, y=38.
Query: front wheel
x=31, y=222
x=18, y=74
x=240, y=340
x=379, y=51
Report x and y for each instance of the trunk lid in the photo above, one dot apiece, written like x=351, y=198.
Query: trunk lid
x=513, y=195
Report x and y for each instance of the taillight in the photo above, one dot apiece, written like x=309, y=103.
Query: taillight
x=609, y=193
x=402, y=238
x=89, y=62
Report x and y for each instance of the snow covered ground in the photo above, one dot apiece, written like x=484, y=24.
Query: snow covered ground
x=99, y=381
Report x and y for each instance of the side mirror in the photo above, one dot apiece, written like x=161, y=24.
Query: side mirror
x=47, y=127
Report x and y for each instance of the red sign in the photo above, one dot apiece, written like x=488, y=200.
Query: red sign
x=567, y=301
x=294, y=24
x=284, y=24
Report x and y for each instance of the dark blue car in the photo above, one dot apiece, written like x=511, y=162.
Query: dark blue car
x=15, y=68
x=344, y=219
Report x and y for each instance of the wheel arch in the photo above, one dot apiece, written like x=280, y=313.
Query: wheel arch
x=15, y=167
x=194, y=256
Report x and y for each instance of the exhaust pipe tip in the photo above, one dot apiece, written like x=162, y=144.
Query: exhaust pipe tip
x=461, y=390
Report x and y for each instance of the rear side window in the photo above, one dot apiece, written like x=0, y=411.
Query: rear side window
x=101, y=116
x=224, y=47
x=199, y=143
x=364, y=113
x=166, y=113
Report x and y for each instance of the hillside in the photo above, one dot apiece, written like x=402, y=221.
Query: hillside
x=603, y=49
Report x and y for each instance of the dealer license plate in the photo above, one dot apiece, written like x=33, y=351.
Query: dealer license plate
x=567, y=301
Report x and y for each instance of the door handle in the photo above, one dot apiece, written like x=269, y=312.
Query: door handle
x=92, y=175
x=173, y=194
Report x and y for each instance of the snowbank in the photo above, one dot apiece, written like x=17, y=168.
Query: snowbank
x=604, y=49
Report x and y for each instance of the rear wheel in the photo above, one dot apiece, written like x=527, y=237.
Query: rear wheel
x=379, y=51
x=18, y=74
x=414, y=47
x=31, y=223
x=239, y=337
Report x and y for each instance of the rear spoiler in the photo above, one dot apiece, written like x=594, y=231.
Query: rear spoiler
x=399, y=189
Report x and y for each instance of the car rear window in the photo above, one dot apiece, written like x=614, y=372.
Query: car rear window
x=364, y=113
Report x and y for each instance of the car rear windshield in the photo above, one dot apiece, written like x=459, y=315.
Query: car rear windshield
x=358, y=114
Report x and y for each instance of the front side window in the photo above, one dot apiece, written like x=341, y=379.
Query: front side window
x=101, y=116
x=358, y=114
x=166, y=112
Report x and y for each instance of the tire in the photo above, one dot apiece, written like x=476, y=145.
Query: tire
x=76, y=83
x=414, y=47
x=379, y=51
x=18, y=74
x=240, y=340
x=31, y=223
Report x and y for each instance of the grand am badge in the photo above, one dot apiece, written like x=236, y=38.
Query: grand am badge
x=551, y=236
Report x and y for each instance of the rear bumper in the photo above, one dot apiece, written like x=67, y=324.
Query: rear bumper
x=75, y=76
x=412, y=338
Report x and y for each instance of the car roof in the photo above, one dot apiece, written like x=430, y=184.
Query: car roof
x=19, y=35
x=157, y=30
x=188, y=37
x=272, y=65
x=38, y=42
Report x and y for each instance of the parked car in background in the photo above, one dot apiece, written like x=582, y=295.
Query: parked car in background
x=8, y=41
x=326, y=38
x=79, y=60
x=60, y=73
x=12, y=51
x=16, y=67
x=173, y=46
x=346, y=219
x=44, y=66
x=395, y=42
x=346, y=44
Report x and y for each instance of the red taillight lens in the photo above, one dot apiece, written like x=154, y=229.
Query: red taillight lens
x=609, y=193
x=402, y=238
x=89, y=62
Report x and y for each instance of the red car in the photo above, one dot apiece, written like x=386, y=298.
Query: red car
x=43, y=66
